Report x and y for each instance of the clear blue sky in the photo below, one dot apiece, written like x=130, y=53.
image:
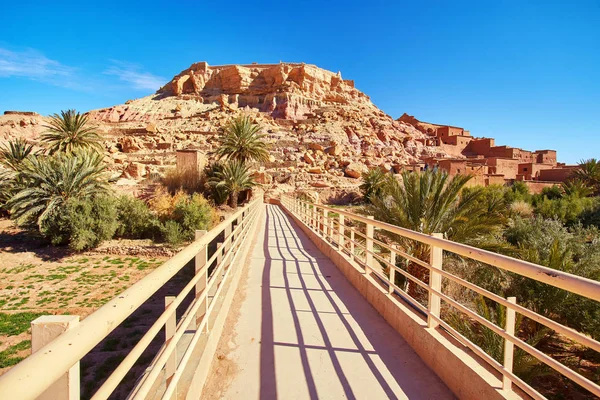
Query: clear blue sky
x=524, y=72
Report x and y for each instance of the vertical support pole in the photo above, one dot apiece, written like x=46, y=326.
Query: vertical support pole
x=342, y=233
x=352, y=243
x=227, y=235
x=324, y=224
x=509, y=347
x=44, y=330
x=369, y=246
x=200, y=261
x=332, y=233
x=314, y=218
x=435, y=282
x=170, y=327
x=392, y=270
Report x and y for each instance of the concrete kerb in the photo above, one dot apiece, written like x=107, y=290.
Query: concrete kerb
x=465, y=374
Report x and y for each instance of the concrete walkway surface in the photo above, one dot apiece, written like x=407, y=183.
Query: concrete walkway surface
x=302, y=331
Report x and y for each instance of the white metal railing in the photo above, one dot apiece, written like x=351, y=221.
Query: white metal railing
x=347, y=238
x=34, y=375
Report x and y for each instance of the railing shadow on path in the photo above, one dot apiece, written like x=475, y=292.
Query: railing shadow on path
x=285, y=242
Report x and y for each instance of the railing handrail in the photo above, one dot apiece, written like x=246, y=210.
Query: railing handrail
x=317, y=217
x=32, y=376
x=563, y=280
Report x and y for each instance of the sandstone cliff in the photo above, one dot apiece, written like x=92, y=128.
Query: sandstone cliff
x=323, y=131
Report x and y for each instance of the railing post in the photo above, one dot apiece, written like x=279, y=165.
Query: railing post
x=341, y=229
x=170, y=328
x=509, y=347
x=314, y=218
x=435, y=282
x=324, y=224
x=352, y=243
x=200, y=260
x=227, y=234
x=44, y=330
x=392, y=270
x=332, y=233
x=369, y=246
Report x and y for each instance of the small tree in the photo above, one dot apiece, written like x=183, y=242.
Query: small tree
x=48, y=182
x=69, y=132
x=589, y=173
x=243, y=142
x=234, y=178
x=372, y=184
x=13, y=153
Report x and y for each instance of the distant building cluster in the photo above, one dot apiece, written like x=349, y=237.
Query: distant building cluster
x=490, y=164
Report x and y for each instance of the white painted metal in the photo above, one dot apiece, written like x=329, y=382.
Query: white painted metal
x=573, y=283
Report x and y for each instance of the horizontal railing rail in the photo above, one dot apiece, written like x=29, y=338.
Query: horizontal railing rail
x=345, y=232
x=31, y=377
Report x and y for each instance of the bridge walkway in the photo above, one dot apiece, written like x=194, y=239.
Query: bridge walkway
x=299, y=330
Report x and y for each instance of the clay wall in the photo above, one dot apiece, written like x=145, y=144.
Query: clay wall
x=557, y=174
x=536, y=187
x=503, y=166
x=445, y=131
x=530, y=171
x=480, y=146
x=545, y=156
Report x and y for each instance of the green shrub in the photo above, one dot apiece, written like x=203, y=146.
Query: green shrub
x=136, y=221
x=217, y=194
x=192, y=213
x=173, y=233
x=567, y=209
x=372, y=183
x=82, y=224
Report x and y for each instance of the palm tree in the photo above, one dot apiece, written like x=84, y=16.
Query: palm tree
x=48, y=182
x=373, y=182
x=430, y=202
x=14, y=153
x=589, y=173
x=69, y=132
x=577, y=188
x=234, y=178
x=243, y=142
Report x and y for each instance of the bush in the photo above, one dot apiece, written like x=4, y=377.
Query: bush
x=163, y=203
x=568, y=209
x=217, y=194
x=172, y=233
x=82, y=224
x=193, y=213
x=522, y=208
x=187, y=179
x=136, y=221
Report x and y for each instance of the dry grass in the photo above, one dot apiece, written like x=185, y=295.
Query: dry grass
x=188, y=179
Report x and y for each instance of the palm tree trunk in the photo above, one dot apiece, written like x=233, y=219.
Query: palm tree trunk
x=233, y=199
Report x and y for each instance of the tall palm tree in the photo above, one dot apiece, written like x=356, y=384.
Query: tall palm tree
x=430, y=202
x=234, y=178
x=50, y=181
x=373, y=182
x=13, y=153
x=589, y=172
x=243, y=142
x=69, y=132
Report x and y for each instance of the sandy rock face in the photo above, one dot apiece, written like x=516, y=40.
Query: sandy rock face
x=322, y=132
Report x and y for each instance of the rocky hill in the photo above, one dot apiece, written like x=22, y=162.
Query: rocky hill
x=323, y=131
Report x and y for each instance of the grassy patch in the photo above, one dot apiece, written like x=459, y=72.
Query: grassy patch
x=8, y=357
x=15, y=324
x=18, y=269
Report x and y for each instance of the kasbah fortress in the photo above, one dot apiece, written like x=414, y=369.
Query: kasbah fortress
x=323, y=133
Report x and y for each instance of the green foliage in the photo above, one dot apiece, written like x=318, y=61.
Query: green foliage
x=15, y=324
x=13, y=153
x=82, y=223
x=136, y=221
x=553, y=192
x=576, y=251
x=8, y=357
x=192, y=213
x=69, y=132
x=568, y=209
x=172, y=233
x=577, y=188
x=49, y=182
x=518, y=191
x=431, y=202
x=524, y=365
x=234, y=178
x=589, y=173
x=372, y=183
x=243, y=142
x=217, y=194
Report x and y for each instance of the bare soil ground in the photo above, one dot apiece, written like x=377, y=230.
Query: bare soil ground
x=37, y=279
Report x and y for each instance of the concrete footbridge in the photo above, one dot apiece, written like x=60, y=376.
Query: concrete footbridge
x=293, y=300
